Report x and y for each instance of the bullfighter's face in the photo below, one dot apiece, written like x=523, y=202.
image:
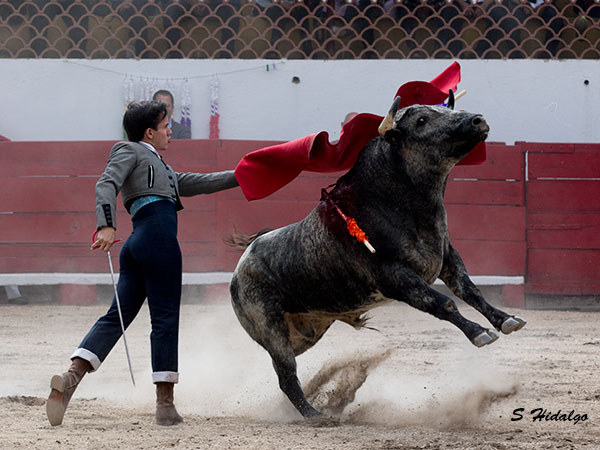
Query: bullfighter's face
x=160, y=137
x=436, y=135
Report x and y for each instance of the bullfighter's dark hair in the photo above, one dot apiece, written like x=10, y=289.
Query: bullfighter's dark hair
x=140, y=116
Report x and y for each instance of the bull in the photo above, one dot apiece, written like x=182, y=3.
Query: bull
x=292, y=283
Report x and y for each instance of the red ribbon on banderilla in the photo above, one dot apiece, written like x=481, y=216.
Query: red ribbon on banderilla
x=351, y=224
x=112, y=276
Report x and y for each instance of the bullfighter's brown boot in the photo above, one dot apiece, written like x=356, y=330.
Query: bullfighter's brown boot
x=166, y=414
x=63, y=387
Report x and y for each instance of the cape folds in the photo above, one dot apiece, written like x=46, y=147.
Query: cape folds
x=264, y=171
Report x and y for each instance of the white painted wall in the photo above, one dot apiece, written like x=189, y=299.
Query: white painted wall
x=523, y=100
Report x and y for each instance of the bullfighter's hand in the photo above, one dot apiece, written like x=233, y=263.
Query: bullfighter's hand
x=105, y=238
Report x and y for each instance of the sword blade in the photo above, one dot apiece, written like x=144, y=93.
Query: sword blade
x=112, y=276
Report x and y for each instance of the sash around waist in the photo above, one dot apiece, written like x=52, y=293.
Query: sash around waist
x=140, y=202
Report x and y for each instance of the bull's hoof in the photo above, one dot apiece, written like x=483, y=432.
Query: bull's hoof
x=309, y=412
x=323, y=421
x=513, y=323
x=485, y=338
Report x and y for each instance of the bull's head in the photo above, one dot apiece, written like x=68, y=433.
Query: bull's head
x=434, y=134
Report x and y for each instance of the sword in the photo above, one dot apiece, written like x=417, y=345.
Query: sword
x=112, y=276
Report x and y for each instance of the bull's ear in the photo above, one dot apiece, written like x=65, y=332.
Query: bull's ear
x=450, y=103
x=388, y=121
x=392, y=136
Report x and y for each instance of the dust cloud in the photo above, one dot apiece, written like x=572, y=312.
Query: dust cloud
x=225, y=373
x=334, y=387
x=349, y=375
x=454, y=401
x=360, y=389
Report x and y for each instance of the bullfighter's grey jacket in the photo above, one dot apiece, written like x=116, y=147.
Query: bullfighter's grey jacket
x=136, y=171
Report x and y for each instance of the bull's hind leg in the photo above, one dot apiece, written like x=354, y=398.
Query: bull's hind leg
x=406, y=286
x=269, y=329
x=284, y=364
x=455, y=276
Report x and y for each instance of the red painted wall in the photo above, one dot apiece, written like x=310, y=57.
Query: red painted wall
x=563, y=221
x=545, y=229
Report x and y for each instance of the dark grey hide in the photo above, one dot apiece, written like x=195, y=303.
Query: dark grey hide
x=292, y=283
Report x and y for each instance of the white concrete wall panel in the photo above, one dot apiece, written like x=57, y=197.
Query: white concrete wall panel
x=523, y=100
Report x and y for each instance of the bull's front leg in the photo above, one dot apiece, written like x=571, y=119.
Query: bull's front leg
x=403, y=284
x=454, y=275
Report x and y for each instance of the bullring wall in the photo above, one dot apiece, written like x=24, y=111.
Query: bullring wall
x=531, y=210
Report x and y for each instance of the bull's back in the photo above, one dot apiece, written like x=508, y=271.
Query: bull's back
x=305, y=268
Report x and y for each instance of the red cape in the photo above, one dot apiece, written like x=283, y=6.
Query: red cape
x=264, y=171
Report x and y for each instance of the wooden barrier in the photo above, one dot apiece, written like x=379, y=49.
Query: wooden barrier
x=563, y=229
x=487, y=216
x=531, y=211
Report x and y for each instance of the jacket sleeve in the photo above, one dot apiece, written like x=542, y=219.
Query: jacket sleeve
x=205, y=183
x=121, y=162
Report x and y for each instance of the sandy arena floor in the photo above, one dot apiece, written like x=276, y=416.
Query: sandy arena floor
x=427, y=386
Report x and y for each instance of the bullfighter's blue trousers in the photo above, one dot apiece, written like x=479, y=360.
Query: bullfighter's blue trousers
x=150, y=266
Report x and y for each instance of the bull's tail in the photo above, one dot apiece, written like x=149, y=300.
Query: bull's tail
x=241, y=240
x=357, y=321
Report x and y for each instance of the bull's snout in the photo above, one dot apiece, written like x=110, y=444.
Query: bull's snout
x=482, y=127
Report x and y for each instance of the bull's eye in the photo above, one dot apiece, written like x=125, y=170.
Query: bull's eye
x=421, y=121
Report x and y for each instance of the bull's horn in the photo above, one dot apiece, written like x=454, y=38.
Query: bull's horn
x=388, y=121
x=450, y=103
